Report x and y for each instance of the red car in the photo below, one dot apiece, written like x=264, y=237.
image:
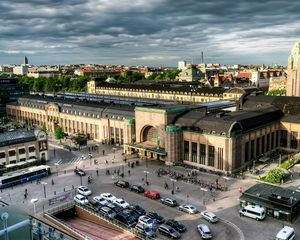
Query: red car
x=152, y=194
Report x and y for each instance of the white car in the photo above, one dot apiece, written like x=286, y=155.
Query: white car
x=108, y=197
x=209, y=216
x=121, y=203
x=147, y=222
x=100, y=200
x=204, y=231
x=85, y=191
x=188, y=208
x=81, y=199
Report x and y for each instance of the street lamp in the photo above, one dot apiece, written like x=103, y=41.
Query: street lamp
x=4, y=217
x=44, y=184
x=146, y=175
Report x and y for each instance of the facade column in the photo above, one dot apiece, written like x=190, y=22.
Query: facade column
x=206, y=152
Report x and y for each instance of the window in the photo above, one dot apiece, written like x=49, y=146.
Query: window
x=220, y=158
x=31, y=149
x=283, y=138
x=2, y=154
x=202, y=153
x=22, y=151
x=246, y=151
x=257, y=147
x=294, y=141
x=194, y=152
x=252, y=149
x=12, y=153
x=211, y=156
x=186, y=150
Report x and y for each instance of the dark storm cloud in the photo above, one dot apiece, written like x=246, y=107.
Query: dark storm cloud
x=148, y=31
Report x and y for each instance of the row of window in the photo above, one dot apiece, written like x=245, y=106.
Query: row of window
x=12, y=153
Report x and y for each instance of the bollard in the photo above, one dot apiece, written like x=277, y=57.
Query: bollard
x=64, y=189
x=54, y=192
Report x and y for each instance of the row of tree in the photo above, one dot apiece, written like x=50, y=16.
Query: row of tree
x=55, y=84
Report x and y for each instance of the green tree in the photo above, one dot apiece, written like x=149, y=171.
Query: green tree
x=277, y=92
x=59, y=134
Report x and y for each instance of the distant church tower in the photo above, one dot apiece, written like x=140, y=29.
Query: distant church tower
x=293, y=72
x=25, y=60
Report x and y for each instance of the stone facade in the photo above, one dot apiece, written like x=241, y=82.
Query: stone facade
x=293, y=78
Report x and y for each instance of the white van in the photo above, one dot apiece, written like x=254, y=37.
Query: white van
x=256, y=212
x=286, y=233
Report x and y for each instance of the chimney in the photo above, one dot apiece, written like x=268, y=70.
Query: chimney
x=202, y=57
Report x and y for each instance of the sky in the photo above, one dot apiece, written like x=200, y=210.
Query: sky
x=148, y=32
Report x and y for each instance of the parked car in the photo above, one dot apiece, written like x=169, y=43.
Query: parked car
x=125, y=218
x=147, y=231
x=188, y=208
x=81, y=199
x=209, y=216
x=79, y=172
x=139, y=210
x=151, y=194
x=176, y=225
x=107, y=212
x=114, y=207
x=108, y=196
x=83, y=190
x=168, y=201
x=121, y=203
x=100, y=200
x=159, y=219
x=137, y=188
x=168, y=231
x=121, y=183
x=147, y=221
x=132, y=213
x=204, y=231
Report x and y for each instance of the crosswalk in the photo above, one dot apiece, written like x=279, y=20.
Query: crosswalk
x=74, y=160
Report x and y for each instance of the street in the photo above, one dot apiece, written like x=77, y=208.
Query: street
x=223, y=204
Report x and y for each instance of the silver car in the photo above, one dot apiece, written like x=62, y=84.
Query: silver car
x=204, y=231
x=189, y=208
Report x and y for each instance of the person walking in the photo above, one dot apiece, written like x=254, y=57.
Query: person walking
x=97, y=171
x=129, y=173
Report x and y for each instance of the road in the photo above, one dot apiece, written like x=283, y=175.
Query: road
x=225, y=204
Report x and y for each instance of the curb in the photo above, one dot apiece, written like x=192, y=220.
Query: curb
x=242, y=237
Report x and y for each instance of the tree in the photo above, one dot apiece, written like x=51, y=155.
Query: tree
x=277, y=92
x=59, y=134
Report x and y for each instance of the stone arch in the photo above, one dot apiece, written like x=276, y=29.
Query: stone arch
x=149, y=133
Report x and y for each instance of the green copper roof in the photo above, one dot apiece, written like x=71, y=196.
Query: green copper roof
x=162, y=110
x=173, y=129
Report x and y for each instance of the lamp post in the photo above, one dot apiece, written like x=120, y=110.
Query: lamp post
x=146, y=175
x=44, y=184
x=4, y=217
x=80, y=180
x=173, y=185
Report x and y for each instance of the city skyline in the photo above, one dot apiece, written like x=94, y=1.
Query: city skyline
x=148, y=32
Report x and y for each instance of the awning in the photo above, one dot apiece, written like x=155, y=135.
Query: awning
x=149, y=147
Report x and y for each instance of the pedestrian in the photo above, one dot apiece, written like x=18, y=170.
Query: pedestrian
x=142, y=179
x=25, y=196
x=103, y=152
x=129, y=172
x=147, y=183
x=52, y=182
x=125, y=159
x=115, y=171
x=106, y=162
x=118, y=172
x=97, y=171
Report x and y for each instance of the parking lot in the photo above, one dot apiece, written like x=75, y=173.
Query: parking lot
x=219, y=230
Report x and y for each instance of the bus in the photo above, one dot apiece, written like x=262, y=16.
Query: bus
x=32, y=173
x=256, y=212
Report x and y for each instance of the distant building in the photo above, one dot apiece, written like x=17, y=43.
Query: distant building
x=36, y=73
x=181, y=64
x=20, y=70
x=21, y=148
x=293, y=78
x=25, y=60
x=277, y=83
x=10, y=90
x=190, y=73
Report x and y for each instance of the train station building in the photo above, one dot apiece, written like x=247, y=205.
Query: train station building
x=203, y=135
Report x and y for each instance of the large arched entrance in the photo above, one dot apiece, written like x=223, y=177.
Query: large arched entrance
x=149, y=133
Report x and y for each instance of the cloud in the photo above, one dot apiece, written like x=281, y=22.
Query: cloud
x=148, y=31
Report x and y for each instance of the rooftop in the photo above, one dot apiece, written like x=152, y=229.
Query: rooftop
x=17, y=136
